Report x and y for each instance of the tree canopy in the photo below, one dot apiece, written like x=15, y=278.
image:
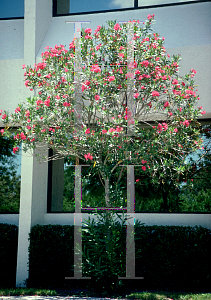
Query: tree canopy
x=113, y=98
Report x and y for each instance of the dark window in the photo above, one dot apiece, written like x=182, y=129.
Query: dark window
x=11, y=9
x=10, y=170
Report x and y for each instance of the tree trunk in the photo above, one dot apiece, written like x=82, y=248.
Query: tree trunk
x=107, y=193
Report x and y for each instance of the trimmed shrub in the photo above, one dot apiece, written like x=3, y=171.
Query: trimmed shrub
x=172, y=257
x=8, y=255
x=50, y=255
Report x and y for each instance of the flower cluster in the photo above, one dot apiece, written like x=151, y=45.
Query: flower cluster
x=87, y=112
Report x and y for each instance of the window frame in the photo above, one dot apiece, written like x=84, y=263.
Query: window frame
x=55, y=14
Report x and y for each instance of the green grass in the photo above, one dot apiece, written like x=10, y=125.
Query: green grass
x=169, y=296
x=137, y=295
x=27, y=292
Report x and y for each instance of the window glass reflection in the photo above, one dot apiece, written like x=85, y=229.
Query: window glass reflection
x=72, y=6
x=159, y=2
x=11, y=9
x=10, y=179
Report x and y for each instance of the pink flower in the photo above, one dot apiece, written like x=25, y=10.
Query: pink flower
x=98, y=28
x=22, y=135
x=121, y=55
x=66, y=104
x=193, y=71
x=88, y=30
x=119, y=129
x=170, y=113
x=137, y=180
x=175, y=81
x=111, y=78
x=186, y=123
x=136, y=95
x=166, y=104
x=150, y=16
x=144, y=161
x=104, y=131
x=2, y=131
x=15, y=149
x=96, y=69
x=47, y=102
x=71, y=45
x=117, y=27
x=39, y=102
x=4, y=116
x=87, y=82
x=98, y=47
x=145, y=63
x=132, y=121
x=17, y=109
x=27, y=113
x=175, y=130
x=23, y=66
x=160, y=127
x=88, y=156
x=143, y=168
x=97, y=97
x=111, y=130
x=88, y=37
x=155, y=94
x=165, y=126
x=129, y=75
x=87, y=131
x=203, y=112
x=83, y=87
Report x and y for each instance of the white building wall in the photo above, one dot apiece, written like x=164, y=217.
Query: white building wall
x=187, y=31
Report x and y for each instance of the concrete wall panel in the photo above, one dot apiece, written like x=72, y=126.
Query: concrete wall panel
x=11, y=84
x=11, y=39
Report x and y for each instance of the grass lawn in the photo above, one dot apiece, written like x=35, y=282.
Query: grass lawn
x=158, y=295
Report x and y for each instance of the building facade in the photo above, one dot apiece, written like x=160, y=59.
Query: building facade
x=24, y=33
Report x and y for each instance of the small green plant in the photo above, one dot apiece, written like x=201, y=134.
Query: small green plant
x=104, y=249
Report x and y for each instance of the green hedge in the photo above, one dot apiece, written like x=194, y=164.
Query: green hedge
x=8, y=254
x=50, y=255
x=172, y=257
x=175, y=258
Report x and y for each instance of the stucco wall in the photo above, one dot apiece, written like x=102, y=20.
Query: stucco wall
x=171, y=219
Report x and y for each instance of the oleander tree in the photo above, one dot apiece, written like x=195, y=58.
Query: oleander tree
x=114, y=98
